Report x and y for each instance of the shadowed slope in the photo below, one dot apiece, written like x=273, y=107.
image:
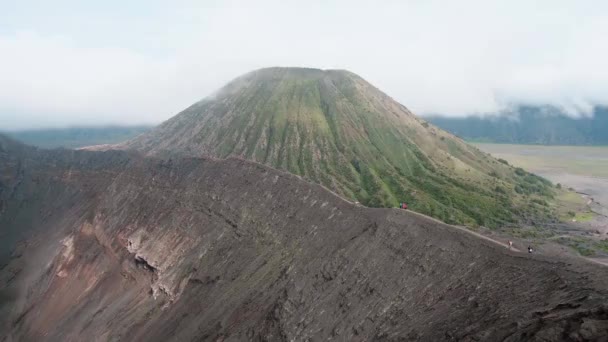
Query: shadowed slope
x=126, y=248
x=334, y=128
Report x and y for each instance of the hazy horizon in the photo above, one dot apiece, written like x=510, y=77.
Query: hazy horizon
x=428, y=116
x=67, y=63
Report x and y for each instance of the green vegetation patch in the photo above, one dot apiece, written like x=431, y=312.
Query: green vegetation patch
x=530, y=233
x=584, y=216
x=572, y=206
x=583, y=246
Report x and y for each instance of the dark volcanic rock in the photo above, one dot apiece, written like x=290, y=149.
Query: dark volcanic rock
x=112, y=246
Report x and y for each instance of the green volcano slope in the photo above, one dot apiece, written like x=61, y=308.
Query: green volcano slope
x=334, y=128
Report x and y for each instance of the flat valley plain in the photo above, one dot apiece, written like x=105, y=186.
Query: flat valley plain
x=584, y=168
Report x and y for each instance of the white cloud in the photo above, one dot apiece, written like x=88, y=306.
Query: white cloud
x=49, y=81
x=462, y=57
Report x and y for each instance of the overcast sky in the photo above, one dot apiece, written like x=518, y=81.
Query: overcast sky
x=130, y=62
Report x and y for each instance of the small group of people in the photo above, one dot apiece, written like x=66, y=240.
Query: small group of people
x=511, y=246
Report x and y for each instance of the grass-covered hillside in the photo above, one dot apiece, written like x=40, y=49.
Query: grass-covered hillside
x=334, y=128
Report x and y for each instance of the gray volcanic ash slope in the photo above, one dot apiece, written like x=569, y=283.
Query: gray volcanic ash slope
x=113, y=246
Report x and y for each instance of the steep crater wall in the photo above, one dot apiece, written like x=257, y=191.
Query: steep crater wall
x=143, y=249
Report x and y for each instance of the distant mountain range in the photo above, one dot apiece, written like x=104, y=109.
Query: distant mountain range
x=530, y=125
x=75, y=137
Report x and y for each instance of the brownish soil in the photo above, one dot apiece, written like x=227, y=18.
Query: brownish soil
x=110, y=246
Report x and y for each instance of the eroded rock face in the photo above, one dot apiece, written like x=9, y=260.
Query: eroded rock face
x=111, y=246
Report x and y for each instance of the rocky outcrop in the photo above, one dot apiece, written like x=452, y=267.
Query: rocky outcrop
x=112, y=246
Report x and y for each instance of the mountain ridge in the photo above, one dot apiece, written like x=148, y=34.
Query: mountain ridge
x=544, y=125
